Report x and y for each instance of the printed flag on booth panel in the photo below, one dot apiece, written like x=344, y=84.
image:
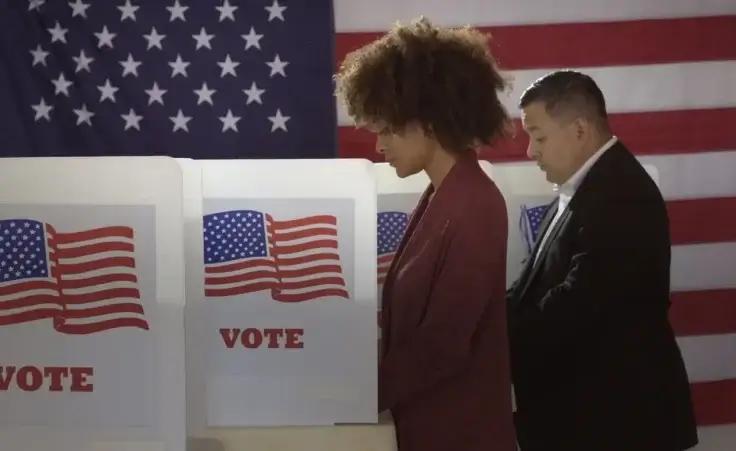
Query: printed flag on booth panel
x=391, y=227
x=84, y=282
x=248, y=251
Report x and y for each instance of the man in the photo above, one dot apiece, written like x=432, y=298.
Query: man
x=594, y=360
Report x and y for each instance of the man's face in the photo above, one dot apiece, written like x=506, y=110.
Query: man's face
x=408, y=151
x=555, y=146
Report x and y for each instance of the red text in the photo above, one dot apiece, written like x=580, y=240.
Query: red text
x=48, y=378
x=253, y=338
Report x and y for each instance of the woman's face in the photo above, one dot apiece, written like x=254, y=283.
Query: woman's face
x=408, y=151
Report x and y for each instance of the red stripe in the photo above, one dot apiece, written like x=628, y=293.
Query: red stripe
x=239, y=265
x=297, y=261
x=322, y=280
x=311, y=295
x=702, y=220
x=705, y=312
x=22, y=287
x=245, y=278
x=95, y=265
x=319, y=269
x=715, y=402
x=93, y=234
x=93, y=281
x=240, y=289
x=646, y=133
x=319, y=220
x=288, y=250
x=29, y=315
x=301, y=233
x=73, y=300
x=597, y=44
x=91, y=328
x=110, y=309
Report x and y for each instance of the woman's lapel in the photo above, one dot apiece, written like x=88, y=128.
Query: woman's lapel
x=435, y=208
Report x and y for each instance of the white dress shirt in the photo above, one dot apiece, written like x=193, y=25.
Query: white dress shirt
x=567, y=190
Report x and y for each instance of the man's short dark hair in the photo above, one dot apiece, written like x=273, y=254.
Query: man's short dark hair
x=567, y=95
x=444, y=79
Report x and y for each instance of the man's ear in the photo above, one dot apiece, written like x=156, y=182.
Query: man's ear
x=581, y=127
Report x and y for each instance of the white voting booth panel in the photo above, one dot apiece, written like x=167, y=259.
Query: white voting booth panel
x=526, y=192
x=91, y=304
x=289, y=292
x=195, y=310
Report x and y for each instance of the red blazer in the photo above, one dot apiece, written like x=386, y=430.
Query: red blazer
x=444, y=369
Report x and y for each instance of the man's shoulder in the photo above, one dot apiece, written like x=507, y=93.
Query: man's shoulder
x=621, y=175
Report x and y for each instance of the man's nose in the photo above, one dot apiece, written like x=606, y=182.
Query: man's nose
x=530, y=152
x=380, y=148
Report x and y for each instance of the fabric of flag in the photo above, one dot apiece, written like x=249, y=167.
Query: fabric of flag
x=530, y=221
x=667, y=69
x=297, y=260
x=184, y=78
x=391, y=228
x=84, y=281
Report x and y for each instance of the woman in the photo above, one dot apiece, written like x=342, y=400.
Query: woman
x=431, y=95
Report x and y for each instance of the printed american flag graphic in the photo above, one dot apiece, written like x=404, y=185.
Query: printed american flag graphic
x=391, y=228
x=84, y=281
x=530, y=221
x=297, y=260
x=184, y=78
x=667, y=69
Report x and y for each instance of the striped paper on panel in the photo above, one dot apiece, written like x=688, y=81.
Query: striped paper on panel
x=391, y=227
x=668, y=71
x=84, y=282
x=248, y=251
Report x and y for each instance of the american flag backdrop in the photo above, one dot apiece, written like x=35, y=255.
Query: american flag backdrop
x=184, y=78
x=391, y=228
x=84, y=281
x=297, y=260
x=667, y=68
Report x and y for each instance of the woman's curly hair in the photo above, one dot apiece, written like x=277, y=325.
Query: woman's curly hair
x=444, y=79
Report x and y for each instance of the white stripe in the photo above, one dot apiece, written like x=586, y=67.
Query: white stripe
x=99, y=287
x=709, y=357
x=716, y=438
x=87, y=258
x=93, y=241
x=5, y=312
x=681, y=176
x=628, y=89
x=358, y=15
x=101, y=318
x=703, y=266
x=693, y=176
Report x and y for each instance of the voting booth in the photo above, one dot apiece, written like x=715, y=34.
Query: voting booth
x=289, y=292
x=527, y=194
x=147, y=301
x=91, y=304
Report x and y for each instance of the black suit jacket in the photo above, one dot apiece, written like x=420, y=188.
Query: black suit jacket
x=594, y=359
